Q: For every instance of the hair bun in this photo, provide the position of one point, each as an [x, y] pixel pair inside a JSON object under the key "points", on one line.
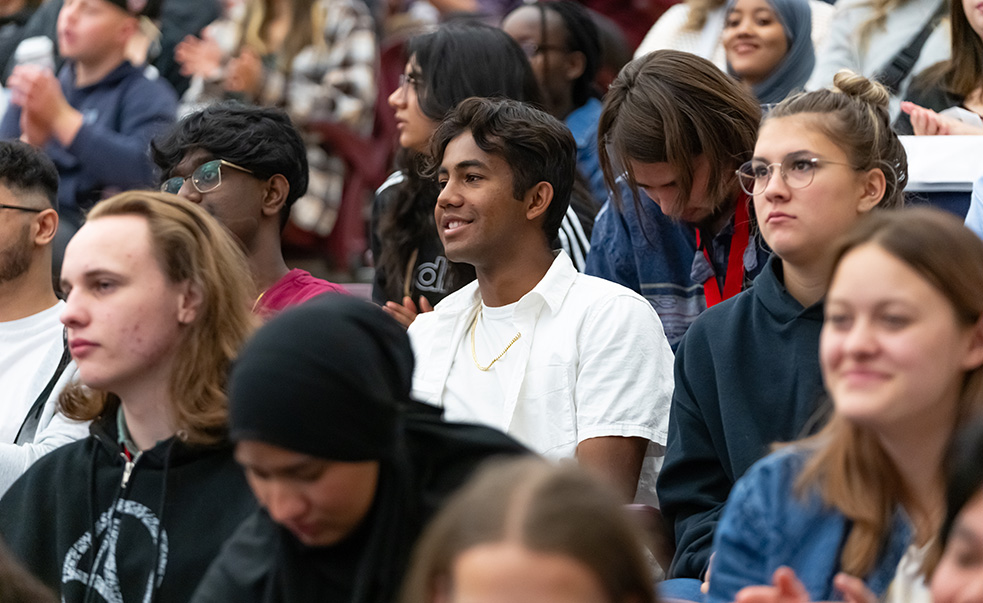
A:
{"points": [[858, 87]]}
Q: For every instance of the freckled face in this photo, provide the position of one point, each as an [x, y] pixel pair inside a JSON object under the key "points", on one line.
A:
{"points": [[124, 316]]}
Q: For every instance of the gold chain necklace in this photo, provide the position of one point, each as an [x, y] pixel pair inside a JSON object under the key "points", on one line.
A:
{"points": [[256, 303], [474, 327]]}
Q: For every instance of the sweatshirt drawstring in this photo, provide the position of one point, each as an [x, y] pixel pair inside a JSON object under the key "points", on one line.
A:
{"points": [[161, 509]]}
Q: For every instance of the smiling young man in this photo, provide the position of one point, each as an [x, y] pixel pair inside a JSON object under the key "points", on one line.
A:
{"points": [[246, 166], [96, 118], [570, 365]]}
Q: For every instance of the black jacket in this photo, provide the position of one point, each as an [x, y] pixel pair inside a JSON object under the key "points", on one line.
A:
{"points": [[49, 515]]}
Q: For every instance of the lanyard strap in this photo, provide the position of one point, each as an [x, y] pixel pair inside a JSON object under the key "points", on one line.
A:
{"points": [[734, 279]]}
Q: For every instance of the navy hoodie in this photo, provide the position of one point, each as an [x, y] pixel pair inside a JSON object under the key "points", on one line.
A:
{"points": [[747, 376], [111, 152]]}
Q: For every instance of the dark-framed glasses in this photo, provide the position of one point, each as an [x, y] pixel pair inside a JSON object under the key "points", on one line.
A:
{"points": [[33, 210], [409, 79], [797, 172], [531, 49], [206, 177]]}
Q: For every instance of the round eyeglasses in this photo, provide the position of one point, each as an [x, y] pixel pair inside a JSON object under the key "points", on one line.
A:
{"points": [[206, 177], [407, 80], [796, 171]]}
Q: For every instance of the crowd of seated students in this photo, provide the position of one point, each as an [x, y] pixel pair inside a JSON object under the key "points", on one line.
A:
{"points": [[693, 295]]}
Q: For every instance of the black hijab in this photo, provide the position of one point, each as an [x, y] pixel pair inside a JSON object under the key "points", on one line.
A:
{"points": [[331, 378]]}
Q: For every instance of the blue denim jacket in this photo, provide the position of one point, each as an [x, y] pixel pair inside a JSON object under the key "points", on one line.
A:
{"points": [[766, 525]]}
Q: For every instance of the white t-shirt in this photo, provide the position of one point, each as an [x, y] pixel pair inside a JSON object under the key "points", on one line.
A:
{"points": [[30, 350], [909, 585], [473, 395]]}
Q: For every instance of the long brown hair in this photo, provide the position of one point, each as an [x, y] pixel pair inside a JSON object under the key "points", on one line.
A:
{"points": [[849, 468], [962, 73], [672, 106], [545, 508], [192, 246], [306, 28]]}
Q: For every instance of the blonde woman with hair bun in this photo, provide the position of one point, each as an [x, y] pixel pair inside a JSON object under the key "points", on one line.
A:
{"points": [[747, 371]]}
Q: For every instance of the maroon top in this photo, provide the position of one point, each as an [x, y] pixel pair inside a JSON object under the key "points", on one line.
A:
{"points": [[296, 287]]}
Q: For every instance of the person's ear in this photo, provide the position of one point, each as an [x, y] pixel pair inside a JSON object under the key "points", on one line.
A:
{"points": [[45, 227], [128, 28], [538, 199], [575, 63], [974, 352], [189, 302], [277, 189], [874, 187]]}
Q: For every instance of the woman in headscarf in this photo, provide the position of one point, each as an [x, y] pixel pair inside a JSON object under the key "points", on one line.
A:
{"points": [[768, 45], [346, 466]]}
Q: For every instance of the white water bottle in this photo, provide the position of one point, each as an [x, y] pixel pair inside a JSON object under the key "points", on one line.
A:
{"points": [[39, 50]]}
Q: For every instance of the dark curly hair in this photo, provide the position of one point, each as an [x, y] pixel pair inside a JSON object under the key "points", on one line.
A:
{"points": [[457, 61], [260, 139]]}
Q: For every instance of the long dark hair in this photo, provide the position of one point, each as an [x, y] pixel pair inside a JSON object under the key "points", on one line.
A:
{"points": [[962, 73], [456, 61]]}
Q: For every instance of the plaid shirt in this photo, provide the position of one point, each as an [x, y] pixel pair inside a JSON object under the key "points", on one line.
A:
{"points": [[336, 80]]}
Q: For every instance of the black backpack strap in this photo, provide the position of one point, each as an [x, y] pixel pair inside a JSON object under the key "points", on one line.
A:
{"points": [[29, 427], [895, 72]]}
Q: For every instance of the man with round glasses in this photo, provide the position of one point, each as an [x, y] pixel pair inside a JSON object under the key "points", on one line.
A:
{"points": [[246, 166]]}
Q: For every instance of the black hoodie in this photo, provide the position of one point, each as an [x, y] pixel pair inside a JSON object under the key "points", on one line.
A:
{"points": [[49, 515]]}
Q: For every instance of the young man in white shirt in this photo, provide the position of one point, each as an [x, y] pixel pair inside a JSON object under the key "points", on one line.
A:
{"points": [[570, 365], [34, 361]]}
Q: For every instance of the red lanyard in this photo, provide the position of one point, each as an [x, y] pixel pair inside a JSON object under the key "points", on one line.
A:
{"points": [[734, 279]]}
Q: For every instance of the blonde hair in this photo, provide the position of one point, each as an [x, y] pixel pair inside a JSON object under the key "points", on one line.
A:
{"points": [[849, 467], [306, 29], [854, 116], [545, 508], [189, 245], [699, 10], [879, 9]]}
